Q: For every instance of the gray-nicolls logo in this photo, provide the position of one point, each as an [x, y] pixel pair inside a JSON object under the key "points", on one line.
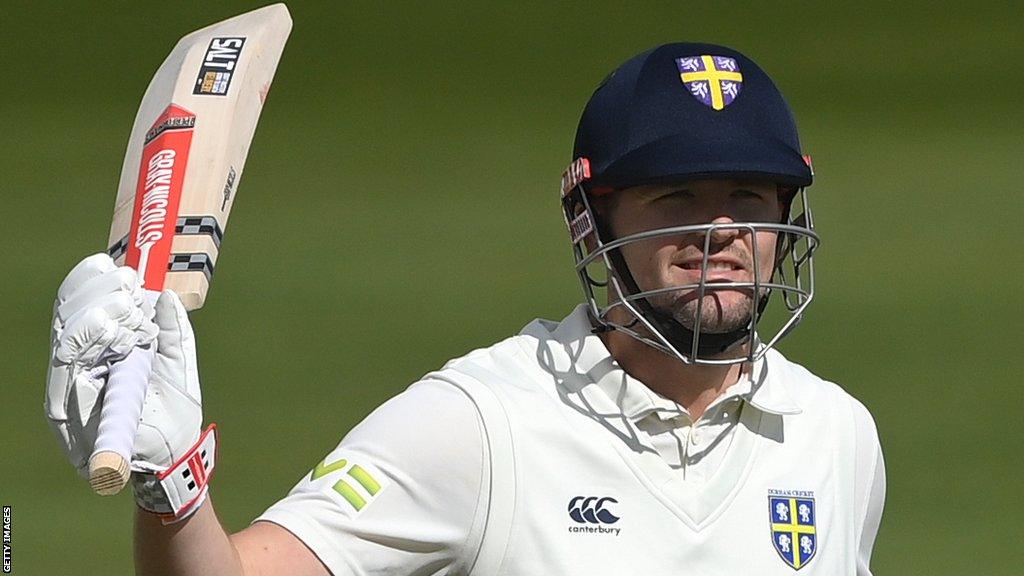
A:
{"points": [[229, 186]]}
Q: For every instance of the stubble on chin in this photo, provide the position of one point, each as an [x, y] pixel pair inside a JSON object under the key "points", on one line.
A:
{"points": [[723, 310]]}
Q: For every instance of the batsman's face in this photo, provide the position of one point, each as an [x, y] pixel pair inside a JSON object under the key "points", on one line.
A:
{"points": [[669, 261]]}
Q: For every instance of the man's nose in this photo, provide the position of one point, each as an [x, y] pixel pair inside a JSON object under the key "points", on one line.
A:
{"points": [[724, 235]]}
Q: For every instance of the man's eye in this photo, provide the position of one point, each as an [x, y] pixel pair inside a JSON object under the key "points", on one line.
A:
{"points": [[748, 195], [676, 195]]}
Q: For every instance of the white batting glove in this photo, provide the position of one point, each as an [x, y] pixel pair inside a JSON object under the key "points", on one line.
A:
{"points": [[100, 314], [173, 461]]}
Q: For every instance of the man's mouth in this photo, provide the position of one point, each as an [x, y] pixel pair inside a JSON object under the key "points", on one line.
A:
{"points": [[713, 266], [715, 263], [720, 268]]}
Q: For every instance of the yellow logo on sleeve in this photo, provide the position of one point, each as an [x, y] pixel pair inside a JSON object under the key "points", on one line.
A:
{"points": [[368, 485]]}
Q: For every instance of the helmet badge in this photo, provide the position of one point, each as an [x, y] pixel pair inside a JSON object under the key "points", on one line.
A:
{"points": [[714, 81]]}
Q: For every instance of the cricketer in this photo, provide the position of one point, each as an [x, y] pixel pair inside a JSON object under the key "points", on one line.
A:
{"points": [[655, 429]]}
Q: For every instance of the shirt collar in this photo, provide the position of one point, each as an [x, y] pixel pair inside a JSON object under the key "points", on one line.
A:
{"points": [[585, 366], [767, 389]]}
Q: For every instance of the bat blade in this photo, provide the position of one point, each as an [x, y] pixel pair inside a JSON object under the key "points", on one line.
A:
{"points": [[188, 148], [179, 179]]}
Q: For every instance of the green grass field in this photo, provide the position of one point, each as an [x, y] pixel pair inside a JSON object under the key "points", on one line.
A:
{"points": [[399, 208]]}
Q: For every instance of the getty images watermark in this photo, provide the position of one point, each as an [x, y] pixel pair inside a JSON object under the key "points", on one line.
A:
{"points": [[7, 539]]}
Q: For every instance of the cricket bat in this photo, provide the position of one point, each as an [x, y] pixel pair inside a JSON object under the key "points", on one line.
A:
{"points": [[178, 182]]}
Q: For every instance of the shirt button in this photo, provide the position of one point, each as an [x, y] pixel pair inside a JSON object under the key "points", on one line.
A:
{"points": [[694, 436]]}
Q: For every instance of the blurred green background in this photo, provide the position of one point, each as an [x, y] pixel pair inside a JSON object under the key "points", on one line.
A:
{"points": [[399, 208]]}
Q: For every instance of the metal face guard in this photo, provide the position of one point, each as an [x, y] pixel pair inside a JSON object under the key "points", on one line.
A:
{"points": [[793, 277]]}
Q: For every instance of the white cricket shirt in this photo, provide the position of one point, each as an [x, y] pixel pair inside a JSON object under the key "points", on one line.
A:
{"points": [[539, 455]]}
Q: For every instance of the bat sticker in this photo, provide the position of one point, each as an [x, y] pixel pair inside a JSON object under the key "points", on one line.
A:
{"points": [[219, 66]]}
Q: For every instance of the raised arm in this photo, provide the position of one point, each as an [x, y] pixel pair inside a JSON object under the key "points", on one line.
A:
{"points": [[404, 491], [101, 313]]}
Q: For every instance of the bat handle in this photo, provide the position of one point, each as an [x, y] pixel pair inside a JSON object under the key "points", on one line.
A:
{"points": [[123, 396]]}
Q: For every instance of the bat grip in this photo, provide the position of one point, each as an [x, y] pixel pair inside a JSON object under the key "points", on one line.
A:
{"points": [[123, 397]]}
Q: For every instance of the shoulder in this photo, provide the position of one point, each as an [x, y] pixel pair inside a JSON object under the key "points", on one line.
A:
{"points": [[404, 490], [831, 415], [513, 361], [431, 421], [823, 399], [461, 399]]}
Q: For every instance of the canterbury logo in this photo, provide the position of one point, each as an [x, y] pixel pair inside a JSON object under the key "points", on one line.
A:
{"points": [[592, 510]]}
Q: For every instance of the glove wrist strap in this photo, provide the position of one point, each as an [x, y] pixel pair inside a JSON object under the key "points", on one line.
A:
{"points": [[177, 492]]}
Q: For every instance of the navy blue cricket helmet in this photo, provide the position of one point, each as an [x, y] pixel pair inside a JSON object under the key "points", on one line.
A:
{"points": [[680, 112]]}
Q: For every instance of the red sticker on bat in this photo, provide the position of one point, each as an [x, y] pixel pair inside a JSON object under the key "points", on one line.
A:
{"points": [[161, 175]]}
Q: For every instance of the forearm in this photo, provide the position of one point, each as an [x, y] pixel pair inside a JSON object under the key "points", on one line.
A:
{"points": [[198, 545]]}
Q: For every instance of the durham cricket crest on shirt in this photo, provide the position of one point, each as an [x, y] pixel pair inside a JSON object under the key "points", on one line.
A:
{"points": [[714, 81], [792, 517]]}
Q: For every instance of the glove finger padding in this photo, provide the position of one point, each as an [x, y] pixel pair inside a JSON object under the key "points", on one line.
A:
{"points": [[77, 358], [92, 337], [98, 282], [122, 280], [87, 269], [89, 343]]}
